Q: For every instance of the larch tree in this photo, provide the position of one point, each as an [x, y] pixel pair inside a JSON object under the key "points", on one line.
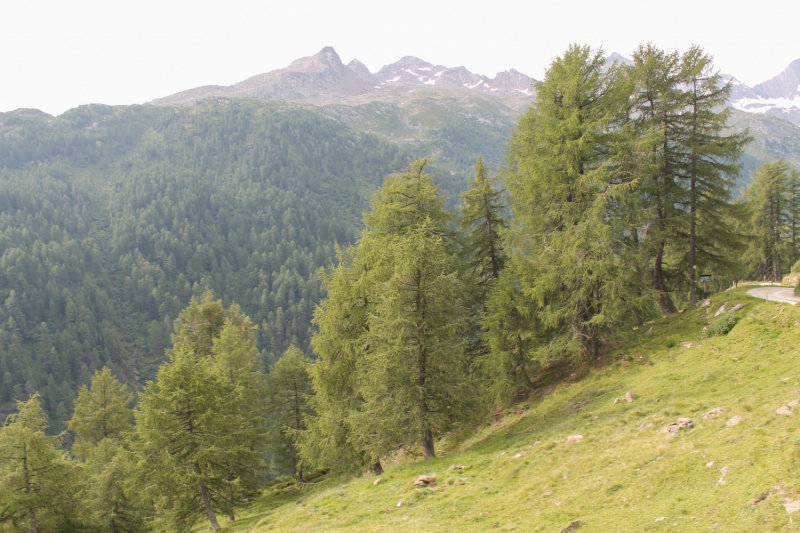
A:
{"points": [[768, 197], [567, 187], [102, 422], [656, 111], [710, 167], [288, 391], [413, 375], [38, 481], [199, 426]]}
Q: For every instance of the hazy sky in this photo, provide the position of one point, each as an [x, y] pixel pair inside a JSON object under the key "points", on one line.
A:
{"points": [[55, 55]]}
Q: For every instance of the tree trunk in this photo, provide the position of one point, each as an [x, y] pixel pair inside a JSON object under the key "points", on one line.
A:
{"points": [[693, 245], [428, 450], [667, 307], [377, 468], [212, 518], [32, 514]]}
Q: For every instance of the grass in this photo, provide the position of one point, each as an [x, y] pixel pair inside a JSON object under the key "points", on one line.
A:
{"points": [[626, 472]]}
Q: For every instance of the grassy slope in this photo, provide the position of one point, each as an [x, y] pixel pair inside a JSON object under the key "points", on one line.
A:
{"points": [[619, 478]]}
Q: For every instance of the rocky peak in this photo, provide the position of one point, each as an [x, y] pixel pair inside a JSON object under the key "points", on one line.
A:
{"points": [[784, 85]]}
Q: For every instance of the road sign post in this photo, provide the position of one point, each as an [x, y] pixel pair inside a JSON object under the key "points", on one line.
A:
{"points": [[705, 278]]}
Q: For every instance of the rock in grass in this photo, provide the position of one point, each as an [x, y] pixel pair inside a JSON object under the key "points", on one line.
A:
{"points": [[791, 506], [783, 410], [424, 481], [458, 467], [627, 398], [376, 481], [706, 303], [662, 518], [682, 423], [517, 456], [737, 308], [714, 412], [719, 311], [575, 438], [734, 421], [572, 526]]}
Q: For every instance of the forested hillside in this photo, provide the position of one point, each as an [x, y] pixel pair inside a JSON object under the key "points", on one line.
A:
{"points": [[111, 219]]}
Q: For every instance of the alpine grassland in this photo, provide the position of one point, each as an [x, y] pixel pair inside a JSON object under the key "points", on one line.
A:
{"points": [[733, 470]]}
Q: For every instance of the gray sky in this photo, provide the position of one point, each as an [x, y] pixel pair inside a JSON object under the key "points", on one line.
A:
{"points": [[55, 55]]}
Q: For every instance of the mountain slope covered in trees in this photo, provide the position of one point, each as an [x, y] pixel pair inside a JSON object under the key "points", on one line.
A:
{"points": [[111, 219]]}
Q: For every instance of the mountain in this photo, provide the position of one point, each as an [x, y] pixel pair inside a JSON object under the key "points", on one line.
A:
{"points": [[779, 96], [323, 78]]}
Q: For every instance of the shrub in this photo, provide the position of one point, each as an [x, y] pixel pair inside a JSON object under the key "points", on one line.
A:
{"points": [[723, 325]]}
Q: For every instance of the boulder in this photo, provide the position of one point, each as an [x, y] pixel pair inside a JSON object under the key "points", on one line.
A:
{"points": [[784, 410], [376, 481], [737, 308], [706, 303], [424, 481], [517, 456], [719, 311]]}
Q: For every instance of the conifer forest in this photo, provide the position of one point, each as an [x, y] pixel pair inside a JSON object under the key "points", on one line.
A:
{"points": [[199, 301]]}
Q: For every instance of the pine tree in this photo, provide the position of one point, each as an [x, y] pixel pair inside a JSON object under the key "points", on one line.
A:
{"points": [[710, 166], [794, 214], [38, 481], [199, 425], [568, 187], [288, 389]]}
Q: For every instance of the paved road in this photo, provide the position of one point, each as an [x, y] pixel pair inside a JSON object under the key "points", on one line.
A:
{"points": [[775, 294]]}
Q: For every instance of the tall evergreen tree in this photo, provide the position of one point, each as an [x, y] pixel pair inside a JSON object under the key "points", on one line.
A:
{"points": [[288, 390], [656, 111], [102, 422], [199, 427], [566, 187], [481, 219], [711, 164], [38, 481], [768, 197], [102, 411], [395, 318]]}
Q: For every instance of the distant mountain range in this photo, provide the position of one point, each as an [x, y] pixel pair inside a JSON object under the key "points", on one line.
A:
{"points": [[323, 78], [779, 96]]}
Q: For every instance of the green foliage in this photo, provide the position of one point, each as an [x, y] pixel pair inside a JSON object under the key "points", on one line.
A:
{"points": [[37, 478], [390, 329], [770, 198], [288, 391], [199, 426], [723, 325], [569, 188], [102, 411]]}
